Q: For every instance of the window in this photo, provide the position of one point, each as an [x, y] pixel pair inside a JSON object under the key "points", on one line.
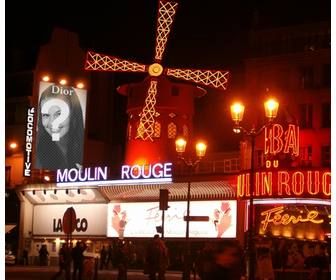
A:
{"points": [[307, 77], [157, 130], [185, 131], [172, 130], [325, 156], [306, 157], [306, 115], [326, 115], [231, 165], [7, 174]]}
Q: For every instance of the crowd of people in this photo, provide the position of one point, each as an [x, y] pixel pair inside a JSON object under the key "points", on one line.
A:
{"points": [[68, 255], [222, 259]]}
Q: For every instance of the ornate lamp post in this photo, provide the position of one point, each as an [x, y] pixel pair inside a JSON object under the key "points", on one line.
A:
{"points": [[237, 113], [180, 144]]}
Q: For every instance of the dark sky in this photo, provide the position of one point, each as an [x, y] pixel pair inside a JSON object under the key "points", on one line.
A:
{"points": [[208, 34], [205, 33]]}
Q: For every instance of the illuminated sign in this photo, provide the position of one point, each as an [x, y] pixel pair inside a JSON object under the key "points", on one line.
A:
{"points": [[277, 217], [157, 170], [96, 176], [300, 221], [47, 219], [140, 219], [82, 175], [277, 140], [60, 127], [29, 143], [286, 183]]}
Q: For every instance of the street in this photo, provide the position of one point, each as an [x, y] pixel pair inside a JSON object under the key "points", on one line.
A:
{"points": [[37, 272]]}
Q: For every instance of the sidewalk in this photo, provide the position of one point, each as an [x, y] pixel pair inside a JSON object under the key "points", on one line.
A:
{"points": [[46, 272]]}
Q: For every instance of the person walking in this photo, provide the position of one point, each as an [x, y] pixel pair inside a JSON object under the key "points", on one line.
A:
{"points": [[122, 258], [109, 257], [156, 261], [25, 256], [103, 255], [78, 260], [43, 255], [225, 261], [64, 262]]}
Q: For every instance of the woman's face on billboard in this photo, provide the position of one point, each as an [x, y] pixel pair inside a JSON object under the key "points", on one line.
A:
{"points": [[53, 119]]}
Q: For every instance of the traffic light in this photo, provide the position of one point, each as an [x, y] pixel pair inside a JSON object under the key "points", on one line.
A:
{"points": [[164, 199]]}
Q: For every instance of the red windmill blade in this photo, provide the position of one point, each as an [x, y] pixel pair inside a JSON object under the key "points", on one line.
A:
{"points": [[166, 13], [212, 78], [165, 18], [99, 62]]}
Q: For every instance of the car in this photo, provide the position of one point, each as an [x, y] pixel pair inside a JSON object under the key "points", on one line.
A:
{"points": [[9, 258]]}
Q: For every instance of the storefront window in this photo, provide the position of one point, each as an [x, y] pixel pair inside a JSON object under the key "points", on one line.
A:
{"points": [[325, 156]]}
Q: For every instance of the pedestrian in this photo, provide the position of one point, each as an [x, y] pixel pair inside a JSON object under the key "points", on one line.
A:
{"points": [[122, 259], [43, 255], [103, 255], [25, 256], [156, 261], [78, 260], [64, 262], [110, 257], [225, 261]]}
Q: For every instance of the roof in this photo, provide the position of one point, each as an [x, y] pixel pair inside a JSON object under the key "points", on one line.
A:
{"points": [[207, 190]]}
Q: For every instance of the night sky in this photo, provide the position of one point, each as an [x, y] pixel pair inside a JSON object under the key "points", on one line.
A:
{"points": [[208, 34]]}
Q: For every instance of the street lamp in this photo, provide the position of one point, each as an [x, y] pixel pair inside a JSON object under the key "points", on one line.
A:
{"points": [[200, 147], [237, 112]]}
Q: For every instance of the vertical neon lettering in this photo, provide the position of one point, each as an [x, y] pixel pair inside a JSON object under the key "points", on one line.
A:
{"points": [[313, 186], [257, 184], [291, 142], [283, 179], [298, 183], [266, 183], [240, 186], [276, 141], [326, 183]]}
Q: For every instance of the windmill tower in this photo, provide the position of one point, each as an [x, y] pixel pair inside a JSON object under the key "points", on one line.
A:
{"points": [[158, 109]]}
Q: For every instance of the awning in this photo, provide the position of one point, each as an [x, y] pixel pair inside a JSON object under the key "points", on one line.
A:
{"points": [[8, 228], [210, 190]]}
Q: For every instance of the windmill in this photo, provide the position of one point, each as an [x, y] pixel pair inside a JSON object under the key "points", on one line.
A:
{"points": [[156, 93]]}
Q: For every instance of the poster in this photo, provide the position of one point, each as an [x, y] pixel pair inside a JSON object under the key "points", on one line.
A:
{"points": [[140, 219], [48, 219], [60, 127]]}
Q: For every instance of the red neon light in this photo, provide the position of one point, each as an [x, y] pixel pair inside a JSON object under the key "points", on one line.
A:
{"points": [[275, 216], [277, 140], [286, 184]]}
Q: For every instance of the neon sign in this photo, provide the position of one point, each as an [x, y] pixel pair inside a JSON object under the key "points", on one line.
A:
{"points": [[276, 217], [157, 170], [97, 176], [277, 140], [29, 142], [81, 175], [286, 183]]}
